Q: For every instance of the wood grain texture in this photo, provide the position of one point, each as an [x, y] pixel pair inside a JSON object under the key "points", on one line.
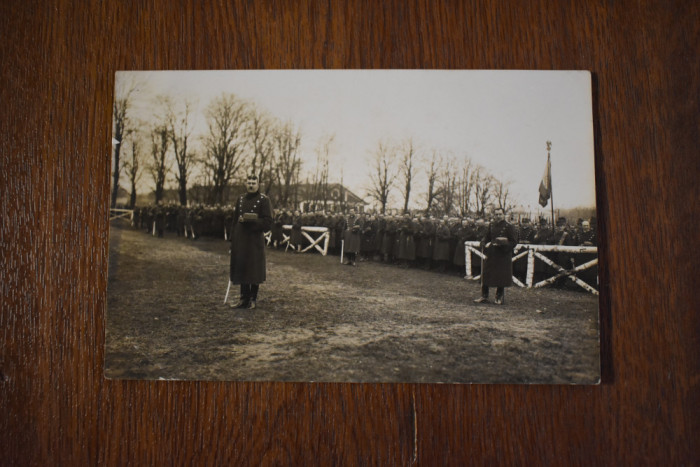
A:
{"points": [[58, 61]]}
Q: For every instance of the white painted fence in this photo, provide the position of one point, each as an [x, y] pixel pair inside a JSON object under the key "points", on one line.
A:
{"points": [[533, 253], [121, 214], [315, 236]]}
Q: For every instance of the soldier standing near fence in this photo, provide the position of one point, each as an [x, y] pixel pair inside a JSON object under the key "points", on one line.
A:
{"points": [[407, 242], [277, 235], [252, 217], [497, 244], [296, 237], [441, 246], [352, 237]]}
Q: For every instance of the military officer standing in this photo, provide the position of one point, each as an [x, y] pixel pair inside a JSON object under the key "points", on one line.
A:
{"points": [[252, 217], [497, 244], [352, 237]]}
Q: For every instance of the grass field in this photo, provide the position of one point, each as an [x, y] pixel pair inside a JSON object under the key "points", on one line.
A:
{"points": [[318, 320]]}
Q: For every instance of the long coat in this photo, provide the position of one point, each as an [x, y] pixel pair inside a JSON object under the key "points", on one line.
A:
{"points": [[388, 238], [368, 234], [424, 245], [248, 240], [351, 235], [277, 232], [498, 266], [407, 243], [441, 248], [296, 237], [465, 233]]}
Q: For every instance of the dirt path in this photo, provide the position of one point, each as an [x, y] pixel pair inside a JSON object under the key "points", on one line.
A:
{"points": [[318, 320]]}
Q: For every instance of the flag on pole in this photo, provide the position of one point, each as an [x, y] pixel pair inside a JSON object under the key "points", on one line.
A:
{"points": [[546, 184]]}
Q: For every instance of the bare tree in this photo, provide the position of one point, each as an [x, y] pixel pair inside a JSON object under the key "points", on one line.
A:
{"points": [[287, 141], [226, 118], [382, 175], [406, 169], [465, 186], [120, 122], [447, 183], [177, 122], [483, 183], [319, 187], [260, 133], [501, 193], [432, 174], [159, 163], [132, 165]]}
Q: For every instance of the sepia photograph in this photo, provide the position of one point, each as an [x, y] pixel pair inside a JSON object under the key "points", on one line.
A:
{"points": [[369, 226]]}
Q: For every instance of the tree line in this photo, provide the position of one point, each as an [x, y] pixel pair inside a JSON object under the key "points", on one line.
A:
{"points": [[240, 138], [451, 185]]}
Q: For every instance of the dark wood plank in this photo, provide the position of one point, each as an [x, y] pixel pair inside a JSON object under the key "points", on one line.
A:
{"points": [[57, 77]]}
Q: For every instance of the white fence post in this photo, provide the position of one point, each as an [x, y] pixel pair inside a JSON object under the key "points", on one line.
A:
{"points": [[530, 267], [467, 261]]}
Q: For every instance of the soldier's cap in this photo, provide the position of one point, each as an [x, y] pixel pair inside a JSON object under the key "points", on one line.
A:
{"points": [[561, 221], [252, 177]]}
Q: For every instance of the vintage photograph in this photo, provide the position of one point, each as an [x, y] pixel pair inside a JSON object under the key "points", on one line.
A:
{"points": [[370, 226]]}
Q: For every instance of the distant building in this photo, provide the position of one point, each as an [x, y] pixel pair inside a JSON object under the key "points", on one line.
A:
{"points": [[335, 198], [306, 197]]}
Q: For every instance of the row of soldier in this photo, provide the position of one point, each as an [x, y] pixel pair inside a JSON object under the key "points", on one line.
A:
{"points": [[214, 221], [423, 241], [407, 240]]}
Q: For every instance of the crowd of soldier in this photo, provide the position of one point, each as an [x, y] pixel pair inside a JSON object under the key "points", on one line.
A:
{"points": [[407, 240]]}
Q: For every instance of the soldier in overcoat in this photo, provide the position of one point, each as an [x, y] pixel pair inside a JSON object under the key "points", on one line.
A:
{"points": [[352, 236], [252, 217], [368, 234], [379, 237], [426, 238], [276, 234], [159, 219], [388, 239], [497, 244], [465, 232], [407, 242], [296, 238], [441, 247]]}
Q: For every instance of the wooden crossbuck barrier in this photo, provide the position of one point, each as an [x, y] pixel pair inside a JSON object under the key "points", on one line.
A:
{"points": [[533, 253], [121, 214], [320, 242]]}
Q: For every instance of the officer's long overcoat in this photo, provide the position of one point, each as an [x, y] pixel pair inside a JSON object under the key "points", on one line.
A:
{"points": [[351, 235], [498, 266], [248, 240], [407, 243], [441, 247]]}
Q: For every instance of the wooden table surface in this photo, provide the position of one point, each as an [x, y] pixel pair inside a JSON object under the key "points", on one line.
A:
{"points": [[58, 61]]}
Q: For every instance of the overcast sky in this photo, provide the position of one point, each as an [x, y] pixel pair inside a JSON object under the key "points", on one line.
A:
{"points": [[500, 119]]}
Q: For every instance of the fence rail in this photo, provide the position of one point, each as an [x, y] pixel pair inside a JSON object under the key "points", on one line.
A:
{"points": [[321, 234], [121, 214], [533, 253]]}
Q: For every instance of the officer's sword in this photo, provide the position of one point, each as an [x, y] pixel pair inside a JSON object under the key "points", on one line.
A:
{"points": [[227, 291], [342, 248]]}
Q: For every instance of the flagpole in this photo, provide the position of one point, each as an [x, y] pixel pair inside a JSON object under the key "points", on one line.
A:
{"points": [[551, 188]]}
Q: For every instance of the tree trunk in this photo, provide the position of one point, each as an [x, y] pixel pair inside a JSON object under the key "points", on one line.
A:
{"points": [[115, 175], [183, 192], [132, 196]]}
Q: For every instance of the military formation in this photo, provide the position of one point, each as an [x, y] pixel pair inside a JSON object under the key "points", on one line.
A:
{"points": [[408, 241]]}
